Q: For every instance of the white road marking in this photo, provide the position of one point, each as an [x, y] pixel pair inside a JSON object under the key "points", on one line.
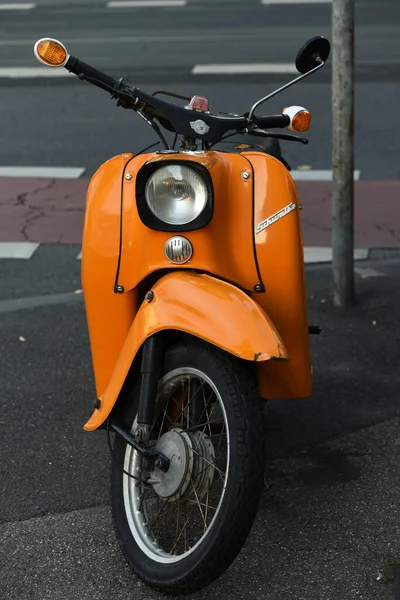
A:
{"points": [[144, 3], [323, 254], [296, 1], [7, 306], [17, 249], [216, 36], [79, 257], [48, 172], [32, 72], [366, 273], [244, 69], [317, 175], [18, 6]]}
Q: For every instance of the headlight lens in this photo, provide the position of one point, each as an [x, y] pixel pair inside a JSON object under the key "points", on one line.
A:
{"points": [[176, 194]]}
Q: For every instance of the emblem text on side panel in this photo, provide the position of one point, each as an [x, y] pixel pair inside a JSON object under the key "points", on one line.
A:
{"points": [[275, 217]]}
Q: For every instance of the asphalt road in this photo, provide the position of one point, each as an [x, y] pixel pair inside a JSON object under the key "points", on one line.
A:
{"points": [[328, 519], [64, 122]]}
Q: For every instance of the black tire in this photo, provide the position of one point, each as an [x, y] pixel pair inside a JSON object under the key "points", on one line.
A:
{"points": [[244, 416]]}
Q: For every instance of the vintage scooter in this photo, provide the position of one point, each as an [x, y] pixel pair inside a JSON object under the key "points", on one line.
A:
{"points": [[193, 279]]}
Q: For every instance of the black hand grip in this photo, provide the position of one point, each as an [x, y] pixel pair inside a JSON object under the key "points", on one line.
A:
{"points": [[272, 121], [76, 66]]}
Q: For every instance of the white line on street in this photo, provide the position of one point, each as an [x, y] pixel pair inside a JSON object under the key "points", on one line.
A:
{"points": [[48, 172], [367, 273], [79, 257], [215, 36], [323, 254], [17, 249], [296, 1], [31, 72], [317, 175], [144, 3], [240, 69], [20, 6], [7, 306]]}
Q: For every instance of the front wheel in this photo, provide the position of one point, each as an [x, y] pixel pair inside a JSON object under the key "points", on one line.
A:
{"points": [[181, 529]]}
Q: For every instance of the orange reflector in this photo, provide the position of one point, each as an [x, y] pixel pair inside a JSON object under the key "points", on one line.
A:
{"points": [[301, 120], [52, 52]]}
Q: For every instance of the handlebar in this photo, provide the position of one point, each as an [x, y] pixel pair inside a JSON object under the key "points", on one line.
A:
{"points": [[102, 80], [76, 66], [272, 121], [173, 117]]}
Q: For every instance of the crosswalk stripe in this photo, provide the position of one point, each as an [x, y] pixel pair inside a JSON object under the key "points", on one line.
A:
{"points": [[144, 3], [296, 2], [365, 273], [317, 175], [323, 254], [32, 72], [17, 6], [244, 69], [47, 172], [23, 250]]}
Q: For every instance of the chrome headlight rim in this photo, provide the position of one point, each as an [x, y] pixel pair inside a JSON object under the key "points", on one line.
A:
{"points": [[150, 219]]}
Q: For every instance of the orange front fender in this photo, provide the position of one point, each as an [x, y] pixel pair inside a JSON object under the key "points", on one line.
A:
{"points": [[204, 307]]}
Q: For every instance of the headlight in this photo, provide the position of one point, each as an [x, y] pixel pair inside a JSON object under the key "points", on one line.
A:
{"points": [[176, 194]]}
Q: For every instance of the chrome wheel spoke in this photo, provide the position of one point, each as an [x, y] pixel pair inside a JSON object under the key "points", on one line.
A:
{"points": [[183, 530], [206, 506], [198, 504], [206, 424], [212, 464], [177, 518], [156, 520]]}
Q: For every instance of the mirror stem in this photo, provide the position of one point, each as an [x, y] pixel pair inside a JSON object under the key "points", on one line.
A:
{"points": [[284, 87]]}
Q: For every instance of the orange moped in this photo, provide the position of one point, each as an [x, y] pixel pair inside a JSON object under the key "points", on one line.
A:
{"points": [[194, 288]]}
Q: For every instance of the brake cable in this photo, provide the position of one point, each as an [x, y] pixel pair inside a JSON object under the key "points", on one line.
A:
{"points": [[229, 135]]}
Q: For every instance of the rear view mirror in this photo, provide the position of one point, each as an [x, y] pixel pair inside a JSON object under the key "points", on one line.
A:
{"points": [[313, 53]]}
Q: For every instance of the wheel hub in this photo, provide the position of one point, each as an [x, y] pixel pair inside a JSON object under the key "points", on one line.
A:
{"points": [[191, 465]]}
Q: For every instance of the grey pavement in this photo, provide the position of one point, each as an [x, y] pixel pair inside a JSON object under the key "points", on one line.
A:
{"points": [[329, 517], [327, 528]]}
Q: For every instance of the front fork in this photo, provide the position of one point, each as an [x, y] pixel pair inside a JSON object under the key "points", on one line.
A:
{"points": [[151, 366], [152, 356]]}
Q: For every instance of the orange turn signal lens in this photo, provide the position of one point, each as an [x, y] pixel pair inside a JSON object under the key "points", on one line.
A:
{"points": [[51, 52], [301, 120]]}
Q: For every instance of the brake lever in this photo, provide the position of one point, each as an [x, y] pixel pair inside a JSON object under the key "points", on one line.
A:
{"points": [[116, 94], [280, 136]]}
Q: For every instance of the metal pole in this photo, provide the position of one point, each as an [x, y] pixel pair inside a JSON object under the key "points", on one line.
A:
{"points": [[343, 151]]}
